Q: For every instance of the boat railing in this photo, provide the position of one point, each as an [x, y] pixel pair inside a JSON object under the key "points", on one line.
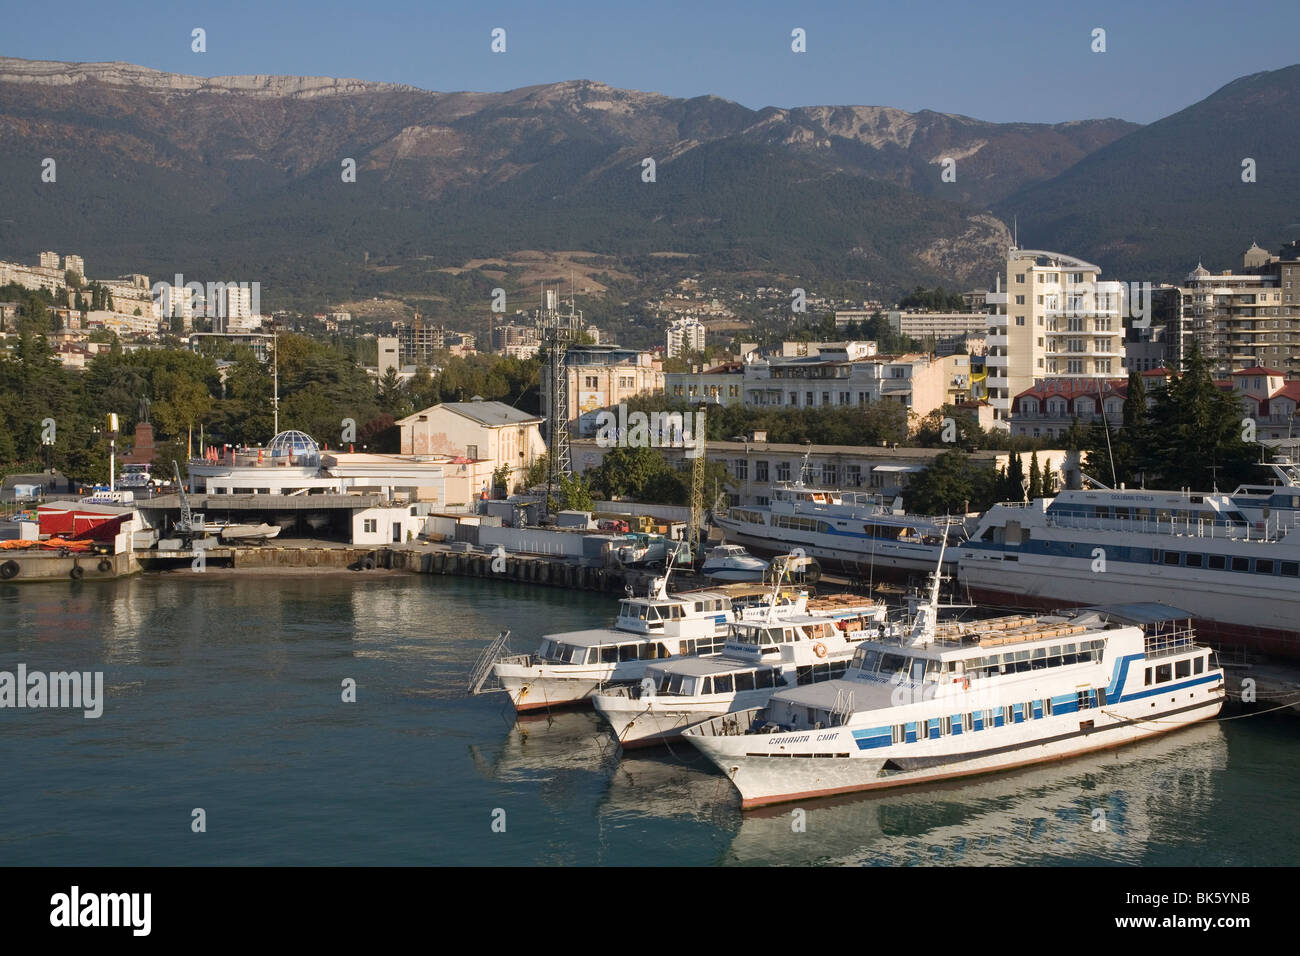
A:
{"points": [[1164, 643], [735, 724], [1271, 530]]}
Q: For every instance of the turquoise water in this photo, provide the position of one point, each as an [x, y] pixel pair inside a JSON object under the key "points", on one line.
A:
{"points": [[224, 692]]}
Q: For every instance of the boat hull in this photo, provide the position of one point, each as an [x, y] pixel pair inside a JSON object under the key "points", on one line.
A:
{"points": [[540, 687], [887, 561], [763, 780]]}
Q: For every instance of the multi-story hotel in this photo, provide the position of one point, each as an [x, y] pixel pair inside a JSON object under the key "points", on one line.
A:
{"points": [[1053, 319]]}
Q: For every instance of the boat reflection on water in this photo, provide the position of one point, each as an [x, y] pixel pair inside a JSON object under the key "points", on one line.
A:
{"points": [[564, 754], [1109, 807]]}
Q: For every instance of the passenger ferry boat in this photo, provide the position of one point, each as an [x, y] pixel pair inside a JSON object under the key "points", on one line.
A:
{"points": [[759, 658], [1231, 561], [853, 532], [961, 698], [568, 668]]}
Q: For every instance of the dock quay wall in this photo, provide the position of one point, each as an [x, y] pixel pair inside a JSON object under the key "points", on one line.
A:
{"points": [[530, 569]]}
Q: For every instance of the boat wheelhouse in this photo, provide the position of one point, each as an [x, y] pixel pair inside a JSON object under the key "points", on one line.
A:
{"points": [[758, 658], [960, 698]]}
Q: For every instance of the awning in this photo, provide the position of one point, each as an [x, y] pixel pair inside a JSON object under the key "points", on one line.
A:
{"points": [[1143, 613], [897, 469]]}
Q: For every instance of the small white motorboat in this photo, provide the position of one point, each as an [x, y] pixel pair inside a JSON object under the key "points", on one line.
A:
{"points": [[731, 562], [252, 533]]}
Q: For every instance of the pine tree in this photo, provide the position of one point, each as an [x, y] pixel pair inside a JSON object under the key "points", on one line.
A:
{"points": [[1035, 478]]}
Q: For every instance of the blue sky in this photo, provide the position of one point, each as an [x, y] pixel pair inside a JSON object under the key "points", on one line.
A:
{"points": [[996, 61]]}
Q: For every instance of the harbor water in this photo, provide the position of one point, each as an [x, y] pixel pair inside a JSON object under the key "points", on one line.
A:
{"points": [[228, 737]]}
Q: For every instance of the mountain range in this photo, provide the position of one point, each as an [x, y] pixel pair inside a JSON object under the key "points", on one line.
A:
{"points": [[242, 178]]}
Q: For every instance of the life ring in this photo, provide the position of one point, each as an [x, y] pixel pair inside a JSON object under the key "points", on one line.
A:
{"points": [[77, 572], [105, 566], [819, 649], [9, 569]]}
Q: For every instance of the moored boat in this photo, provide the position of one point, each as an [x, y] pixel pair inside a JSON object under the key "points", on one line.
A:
{"points": [[942, 701], [759, 658]]}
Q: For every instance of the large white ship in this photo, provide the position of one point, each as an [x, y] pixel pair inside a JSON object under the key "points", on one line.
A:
{"points": [[1231, 561], [961, 698]]}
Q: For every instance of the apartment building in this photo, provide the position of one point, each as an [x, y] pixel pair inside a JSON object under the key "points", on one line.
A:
{"points": [[720, 385], [841, 377], [685, 335], [1243, 319], [600, 377], [1053, 319]]}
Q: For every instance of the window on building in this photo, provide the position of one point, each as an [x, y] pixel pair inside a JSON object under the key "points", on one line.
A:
{"points": [[760, 470], [742, 469]]}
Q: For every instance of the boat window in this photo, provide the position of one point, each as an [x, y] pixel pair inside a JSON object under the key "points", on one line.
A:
{"points": [[689, 686], [647, 651], [609, 655], [1171, 557], [1194, 560], [663, 651], [968, 722], [744, 681], [593, 655], [1147, 682], [546, 649], [722, 684], [1038, 659], [1183, 668], [932, 669], [1217, 562], [1291, 569], [1164, 672], [871, 662], [1241, 564], [629, 652], [652, 614], [1263, 567], [675, 684], [1200, 665], [766, 678], [790, 635], [893, 664], [706, 686], [665, 684]]}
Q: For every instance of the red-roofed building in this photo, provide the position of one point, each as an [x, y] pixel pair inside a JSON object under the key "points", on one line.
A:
{"points": [[1051, 406]]}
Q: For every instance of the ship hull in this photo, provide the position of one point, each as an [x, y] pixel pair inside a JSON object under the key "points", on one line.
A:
{"points": [[887, 561], [766, 780], [1268, 623]]}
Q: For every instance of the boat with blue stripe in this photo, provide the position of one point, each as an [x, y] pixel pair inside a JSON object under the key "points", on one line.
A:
{"points": [[946, 700]]}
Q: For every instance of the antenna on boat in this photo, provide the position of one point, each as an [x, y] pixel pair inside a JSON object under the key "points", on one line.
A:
{"points": [[923, 625]]}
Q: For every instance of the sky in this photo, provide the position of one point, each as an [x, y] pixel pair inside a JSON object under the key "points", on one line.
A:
{"points": [[996, 61]]}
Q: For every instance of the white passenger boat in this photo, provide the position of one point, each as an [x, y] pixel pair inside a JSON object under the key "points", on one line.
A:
{"points": [[759, 658], [731, 562], [963, 698], [568, 668]]}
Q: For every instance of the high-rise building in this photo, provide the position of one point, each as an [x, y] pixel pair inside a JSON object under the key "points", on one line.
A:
{"points": [[685, 335], [1052, 318], [49, 260], [74, 264]]}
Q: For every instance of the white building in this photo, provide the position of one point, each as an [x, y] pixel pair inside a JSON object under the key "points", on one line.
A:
{"points": [[685, 335], [1053, 319]]}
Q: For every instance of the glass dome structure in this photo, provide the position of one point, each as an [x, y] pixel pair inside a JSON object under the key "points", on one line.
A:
{"points": [[300, 448]]}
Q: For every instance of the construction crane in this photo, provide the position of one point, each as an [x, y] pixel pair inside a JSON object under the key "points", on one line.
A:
{"points": [[190, 525]]}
